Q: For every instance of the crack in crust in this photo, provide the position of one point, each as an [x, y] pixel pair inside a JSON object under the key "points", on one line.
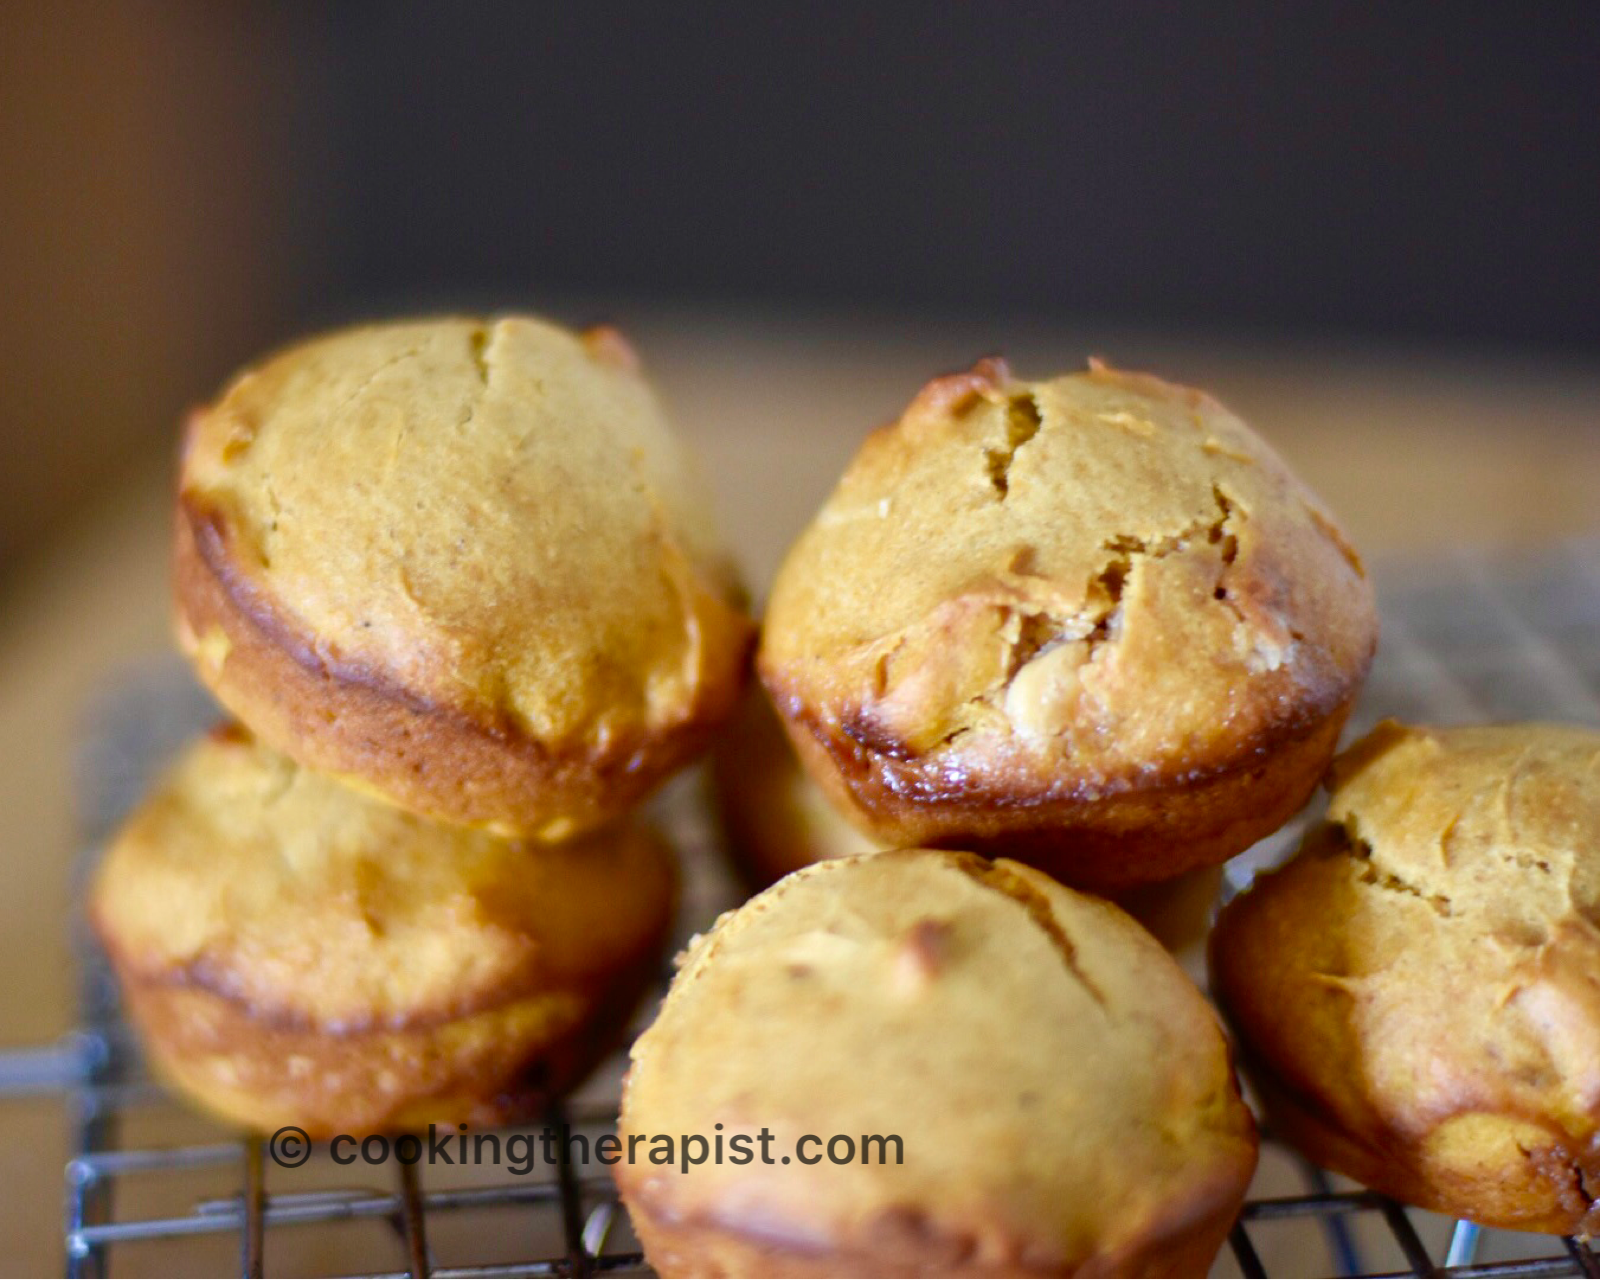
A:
{"points": [[1011, 884], [1023, 420], [1037, 630], [1112, 580], [1343, 840], [362, 387], [478, 343]]}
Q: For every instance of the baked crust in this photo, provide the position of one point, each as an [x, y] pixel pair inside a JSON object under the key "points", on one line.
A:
{"points": [[1108, 841], [1093, 623], [903, 1245], [426, 757], [295, 952], [1417, 989], [462, 563], [500, 1065], [1064, 1094], [776, 819]]}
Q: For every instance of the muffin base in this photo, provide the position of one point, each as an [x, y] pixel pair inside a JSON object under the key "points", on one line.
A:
{"points": [[1184, 1245], [1507, 1172], [1107, 841], [501, 1065], [437, 760]]}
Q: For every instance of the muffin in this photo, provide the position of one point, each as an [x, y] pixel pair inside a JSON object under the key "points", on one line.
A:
{"points": [[1053, 1097], [1418, 990], [1092, 623], [463, 564], [775, 820], [292, 952]]}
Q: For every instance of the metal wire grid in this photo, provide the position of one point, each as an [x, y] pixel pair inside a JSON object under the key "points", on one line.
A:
{"points": [[1466, 638]]}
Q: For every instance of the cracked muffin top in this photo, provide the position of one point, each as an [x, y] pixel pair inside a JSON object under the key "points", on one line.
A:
{"points": [[1419, 989], [1103, 569], [307, 903], [1063, 1093], [1093, 623], [481, 533]]}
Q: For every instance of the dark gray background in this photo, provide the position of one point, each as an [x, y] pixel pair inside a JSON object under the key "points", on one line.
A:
{"points": [[1408, 169], [185, 184]]}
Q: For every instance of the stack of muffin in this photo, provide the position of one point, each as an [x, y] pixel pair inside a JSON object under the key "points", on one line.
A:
{"points": [[457, 584], [1048, 646], [1093, 627]]}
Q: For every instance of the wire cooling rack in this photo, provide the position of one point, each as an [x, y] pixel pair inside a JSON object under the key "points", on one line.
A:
{"points": [[153, 1189]]}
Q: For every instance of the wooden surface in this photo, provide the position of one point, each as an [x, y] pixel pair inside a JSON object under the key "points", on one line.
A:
{"points": [[1414, 452]]}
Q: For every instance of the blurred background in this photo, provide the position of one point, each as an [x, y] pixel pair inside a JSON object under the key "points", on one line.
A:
{"points": [[1374, 230], [182, 185]]}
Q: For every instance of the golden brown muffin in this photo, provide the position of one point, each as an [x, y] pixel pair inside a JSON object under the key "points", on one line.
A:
{"points": [[1061, 1092], [1419, 989], [462, 563], [776, 820], [295, 953], [1093, 623]]}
